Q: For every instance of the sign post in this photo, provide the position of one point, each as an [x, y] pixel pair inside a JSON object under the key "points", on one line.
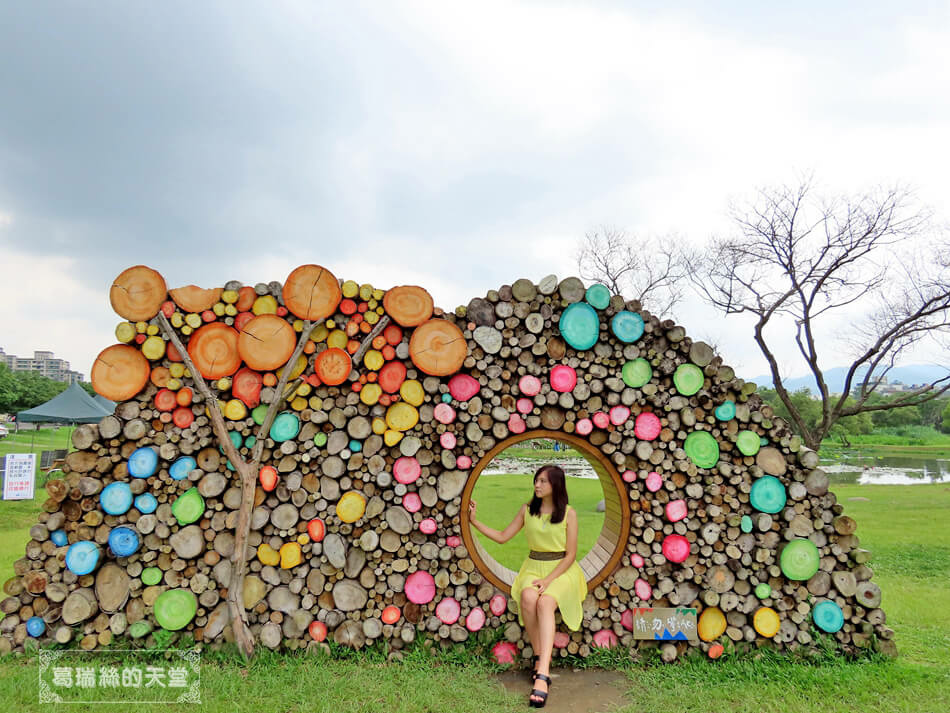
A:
{"points": [[19, 477]]}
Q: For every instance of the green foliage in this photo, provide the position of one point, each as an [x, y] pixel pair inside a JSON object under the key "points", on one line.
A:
{"points": [[914, 422], [8, 389], [904, 436], [931, 412], [22, 390], [807, 407]]}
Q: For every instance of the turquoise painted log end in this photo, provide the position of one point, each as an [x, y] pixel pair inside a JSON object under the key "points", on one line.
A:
{"points": [[580, 326], [116, 498], [143, 462], [82, 557], [768, 494], [123, 541], [598, 296], [627, 326], [182, 467]]}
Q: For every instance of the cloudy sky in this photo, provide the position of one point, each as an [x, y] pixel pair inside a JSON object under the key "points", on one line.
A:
{"points": [[458, 146]]}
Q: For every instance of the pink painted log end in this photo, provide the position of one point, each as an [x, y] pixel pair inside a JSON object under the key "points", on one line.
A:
{"points": [[654, 481], [448, 610], [498, 604], [675, 548], [563, 378], [420, 587], [475, 619], [647, 426], [529, 385], [626, 620], [516, 424], [619, 415], [676, 510], [444, 413], [406, 470], [504, 652], [463, 387], [428, 526]]}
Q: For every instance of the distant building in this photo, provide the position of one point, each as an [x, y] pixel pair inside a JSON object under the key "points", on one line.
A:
{"points": [[44, 363], [889, 388]]}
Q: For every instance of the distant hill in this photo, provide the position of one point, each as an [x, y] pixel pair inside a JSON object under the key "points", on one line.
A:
{"points": [[911, 374]]}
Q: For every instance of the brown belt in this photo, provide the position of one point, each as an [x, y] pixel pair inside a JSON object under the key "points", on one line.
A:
{"points": [[546, 556]]}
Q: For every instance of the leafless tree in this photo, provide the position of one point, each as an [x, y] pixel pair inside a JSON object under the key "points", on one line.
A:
{"points": [[652, 272], [806, 265]]}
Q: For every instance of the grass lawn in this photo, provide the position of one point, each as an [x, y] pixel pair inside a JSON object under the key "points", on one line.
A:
{"points": [[43, 439], [499, 498], [16, 516], [906, 441], [906, 527]]}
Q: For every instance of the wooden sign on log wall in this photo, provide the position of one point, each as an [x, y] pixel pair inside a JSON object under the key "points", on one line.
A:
{"points": [[665, 624]]}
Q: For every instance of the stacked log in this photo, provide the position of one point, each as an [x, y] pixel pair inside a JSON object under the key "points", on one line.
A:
{"points": [[357, 521]]}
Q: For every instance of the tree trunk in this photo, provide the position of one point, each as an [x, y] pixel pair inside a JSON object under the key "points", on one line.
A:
{"points": [[247, 472]]}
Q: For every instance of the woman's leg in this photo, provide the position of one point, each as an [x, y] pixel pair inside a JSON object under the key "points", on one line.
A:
{"points": [[546, 607], [529, 614]]}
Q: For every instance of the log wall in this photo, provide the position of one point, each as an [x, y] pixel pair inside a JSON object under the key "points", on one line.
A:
{"points": [[358, 531]]}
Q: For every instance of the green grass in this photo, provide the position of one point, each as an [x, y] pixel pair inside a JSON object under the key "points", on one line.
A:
{"points": [[499, 498], [921, 441], [303, 683], [16, 516], [43, 439], [548, 455], [906, 527]]}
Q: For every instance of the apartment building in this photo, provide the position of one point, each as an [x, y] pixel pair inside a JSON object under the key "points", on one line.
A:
{"points": [[45, 363]]}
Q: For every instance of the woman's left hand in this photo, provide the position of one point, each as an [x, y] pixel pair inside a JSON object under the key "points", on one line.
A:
{"points": [[540, 585]]}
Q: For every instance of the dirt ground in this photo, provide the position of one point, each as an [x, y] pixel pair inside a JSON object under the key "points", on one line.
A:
{"points": [[574, 690]]}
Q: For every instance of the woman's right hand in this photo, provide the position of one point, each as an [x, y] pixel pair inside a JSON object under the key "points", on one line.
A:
{"points": [[471, 509]]}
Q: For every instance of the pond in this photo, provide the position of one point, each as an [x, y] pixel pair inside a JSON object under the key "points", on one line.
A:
{"points": [[866, 469], [575, 467], [861, 469]]}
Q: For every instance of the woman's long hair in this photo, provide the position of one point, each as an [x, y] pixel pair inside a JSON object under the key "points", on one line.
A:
{"points": [[558, 493]]}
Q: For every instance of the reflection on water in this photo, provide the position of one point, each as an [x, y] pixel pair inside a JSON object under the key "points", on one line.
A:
{"points": [[857, 469], [886, 470], [576, 467]]}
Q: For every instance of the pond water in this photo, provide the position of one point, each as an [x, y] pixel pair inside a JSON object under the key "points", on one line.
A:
{"points": [[857, 469], [575, 467], [886, 470]]}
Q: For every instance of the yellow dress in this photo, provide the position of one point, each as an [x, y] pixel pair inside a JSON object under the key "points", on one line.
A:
{"points": [[570, 588]]}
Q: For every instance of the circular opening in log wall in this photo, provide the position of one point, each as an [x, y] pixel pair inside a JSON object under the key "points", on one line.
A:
{"points": [[603, 558], [505, 485]]}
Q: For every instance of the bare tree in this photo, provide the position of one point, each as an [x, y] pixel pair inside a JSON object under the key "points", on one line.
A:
{"points": [[806, 266], [652, 272]]}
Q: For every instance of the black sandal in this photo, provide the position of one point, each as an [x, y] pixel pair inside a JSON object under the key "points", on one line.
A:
{"points": [[543, 695]]}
